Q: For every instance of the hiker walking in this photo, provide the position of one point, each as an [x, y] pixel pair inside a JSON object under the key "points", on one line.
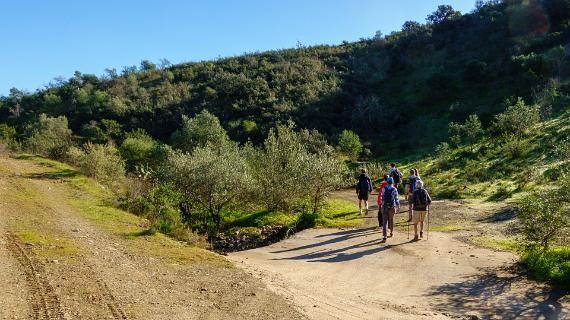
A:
{"points": [[421, 201], [409, 188], [380, 193], [363, 189], [390, 204], [395, 174]]}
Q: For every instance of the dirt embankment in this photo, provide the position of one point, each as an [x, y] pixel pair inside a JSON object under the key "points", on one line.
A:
{"points": [[57, 263]]}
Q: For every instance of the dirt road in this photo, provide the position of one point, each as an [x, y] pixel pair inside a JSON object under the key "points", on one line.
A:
{"points": [[349, 274], [66, 254]]}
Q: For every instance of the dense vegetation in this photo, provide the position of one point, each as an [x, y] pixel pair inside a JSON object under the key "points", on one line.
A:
{"points": [[477, 101]]}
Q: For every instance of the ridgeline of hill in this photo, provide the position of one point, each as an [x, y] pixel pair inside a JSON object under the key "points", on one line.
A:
{"points": [[398, 91]]}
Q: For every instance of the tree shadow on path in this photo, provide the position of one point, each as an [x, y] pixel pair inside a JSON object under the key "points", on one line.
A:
{"points": [[340, 236], [500, 293]]}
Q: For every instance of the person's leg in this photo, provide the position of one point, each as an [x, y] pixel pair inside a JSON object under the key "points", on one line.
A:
{"points": [[366, 205], [384, 222], [391, 213], [422, 218], [359, 204], [416, 231], [409, 210], [380, 218]]}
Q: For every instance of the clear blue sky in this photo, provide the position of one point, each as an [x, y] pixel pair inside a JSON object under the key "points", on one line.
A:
{"points": [[45, 39]]}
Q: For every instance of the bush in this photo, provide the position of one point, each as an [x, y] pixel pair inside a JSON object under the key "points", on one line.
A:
{"points": [[100, 161], [468, 133], [7, 133], [545, 215], [516, 148], [518, 120], [476, 171], [204, 129], [551, 265], [50, 137], [139, 150], [349, 143], [210, 181]]}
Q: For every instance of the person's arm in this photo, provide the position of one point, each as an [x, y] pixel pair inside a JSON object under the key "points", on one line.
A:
{"points": [[370, 187], [397, 200]]}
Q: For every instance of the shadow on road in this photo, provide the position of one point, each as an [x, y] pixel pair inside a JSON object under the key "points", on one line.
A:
{"points": [[341, 254], [499, 293]]}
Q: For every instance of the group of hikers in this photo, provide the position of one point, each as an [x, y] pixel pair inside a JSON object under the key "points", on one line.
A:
{"points": [[415, 193]]}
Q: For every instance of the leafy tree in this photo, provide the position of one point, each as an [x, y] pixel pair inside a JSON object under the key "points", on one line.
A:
{"points": [[469, 132], [349, 143], [545, 215], [7, 133], [518, 120], [200, 131], [137, 149], [210, 180], [49, 136], [442, 14], [100, 161]]}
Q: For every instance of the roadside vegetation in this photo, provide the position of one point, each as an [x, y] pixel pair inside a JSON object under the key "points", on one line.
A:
{"points": [[245, 150]]}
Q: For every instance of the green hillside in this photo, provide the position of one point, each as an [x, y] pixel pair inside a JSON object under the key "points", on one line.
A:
{"points": [[414, 81]]}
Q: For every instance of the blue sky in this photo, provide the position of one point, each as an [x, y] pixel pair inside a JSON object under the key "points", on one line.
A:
{"points": [[42, 40]]}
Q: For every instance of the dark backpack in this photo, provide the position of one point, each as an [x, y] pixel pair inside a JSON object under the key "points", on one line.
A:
{"points": [[364, 183], [421, 198], [396, 175], [388, 198]]}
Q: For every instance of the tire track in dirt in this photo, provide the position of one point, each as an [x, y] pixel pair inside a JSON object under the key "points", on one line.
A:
{"points": [[45, 303], [111, 301]]}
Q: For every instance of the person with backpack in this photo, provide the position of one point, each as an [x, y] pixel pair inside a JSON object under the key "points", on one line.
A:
{"points": [[395, 174], [390, 204], [380, 193], [363, 189], [409, 188], [421, 202]]}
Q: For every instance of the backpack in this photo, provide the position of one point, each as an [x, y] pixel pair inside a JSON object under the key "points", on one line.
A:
{"points": [[421, 198], [412, 184], [388, 197], [396, 175], [363, 183]]}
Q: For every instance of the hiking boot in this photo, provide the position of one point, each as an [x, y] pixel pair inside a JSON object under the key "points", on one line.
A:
{"points": [[384, 239], [359, 211], [416, 238], [409, 220], [366, 212], [421, 234], [391, 234]]}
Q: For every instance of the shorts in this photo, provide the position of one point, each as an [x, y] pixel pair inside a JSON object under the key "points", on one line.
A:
{"points": [[363, 195], [419, 216]]}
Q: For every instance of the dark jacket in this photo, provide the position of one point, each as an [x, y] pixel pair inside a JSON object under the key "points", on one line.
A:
{"points": [[421, 199], [364, 183]]}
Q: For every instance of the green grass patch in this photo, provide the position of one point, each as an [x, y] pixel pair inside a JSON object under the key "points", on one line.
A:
{"points": [[503, 244], [552, 265], [47, 246], [339, 213], [446, 228]]}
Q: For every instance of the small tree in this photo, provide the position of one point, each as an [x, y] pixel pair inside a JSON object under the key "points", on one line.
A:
{"points": [[517, 120], [100, 161], [469, 132], [204, 129], [49, 137], [545, 215], [211, 181], [349, 143]]}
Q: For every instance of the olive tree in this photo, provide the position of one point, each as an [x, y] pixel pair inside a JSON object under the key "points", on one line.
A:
{"points": [[204, 129], [545, 215], [211, 181], [49, 136]]}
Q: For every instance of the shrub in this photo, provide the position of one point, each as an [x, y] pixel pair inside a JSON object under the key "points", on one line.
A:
{"points": [[518, 120], [210, 181], [349, 143], [545, 215], [475, 170], [7, 133], [469, 132], [49, 137], [100, 161], [516, 148], [137, 149], [204, 129], [550, 265]]}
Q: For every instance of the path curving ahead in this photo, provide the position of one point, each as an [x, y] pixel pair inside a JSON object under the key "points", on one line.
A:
{"points": [[349, 274]]}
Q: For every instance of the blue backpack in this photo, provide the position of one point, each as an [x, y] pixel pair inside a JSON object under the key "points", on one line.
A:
{"points": [[389, 197]]}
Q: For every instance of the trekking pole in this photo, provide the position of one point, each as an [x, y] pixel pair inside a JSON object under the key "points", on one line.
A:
{"points": [[408, 223], [428, 214]]}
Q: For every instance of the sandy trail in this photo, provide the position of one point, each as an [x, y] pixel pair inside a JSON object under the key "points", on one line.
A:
{"points": [[349, 274]]}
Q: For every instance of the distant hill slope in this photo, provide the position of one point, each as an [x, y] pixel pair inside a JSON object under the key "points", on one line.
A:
{"points": [[419, 78]]}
